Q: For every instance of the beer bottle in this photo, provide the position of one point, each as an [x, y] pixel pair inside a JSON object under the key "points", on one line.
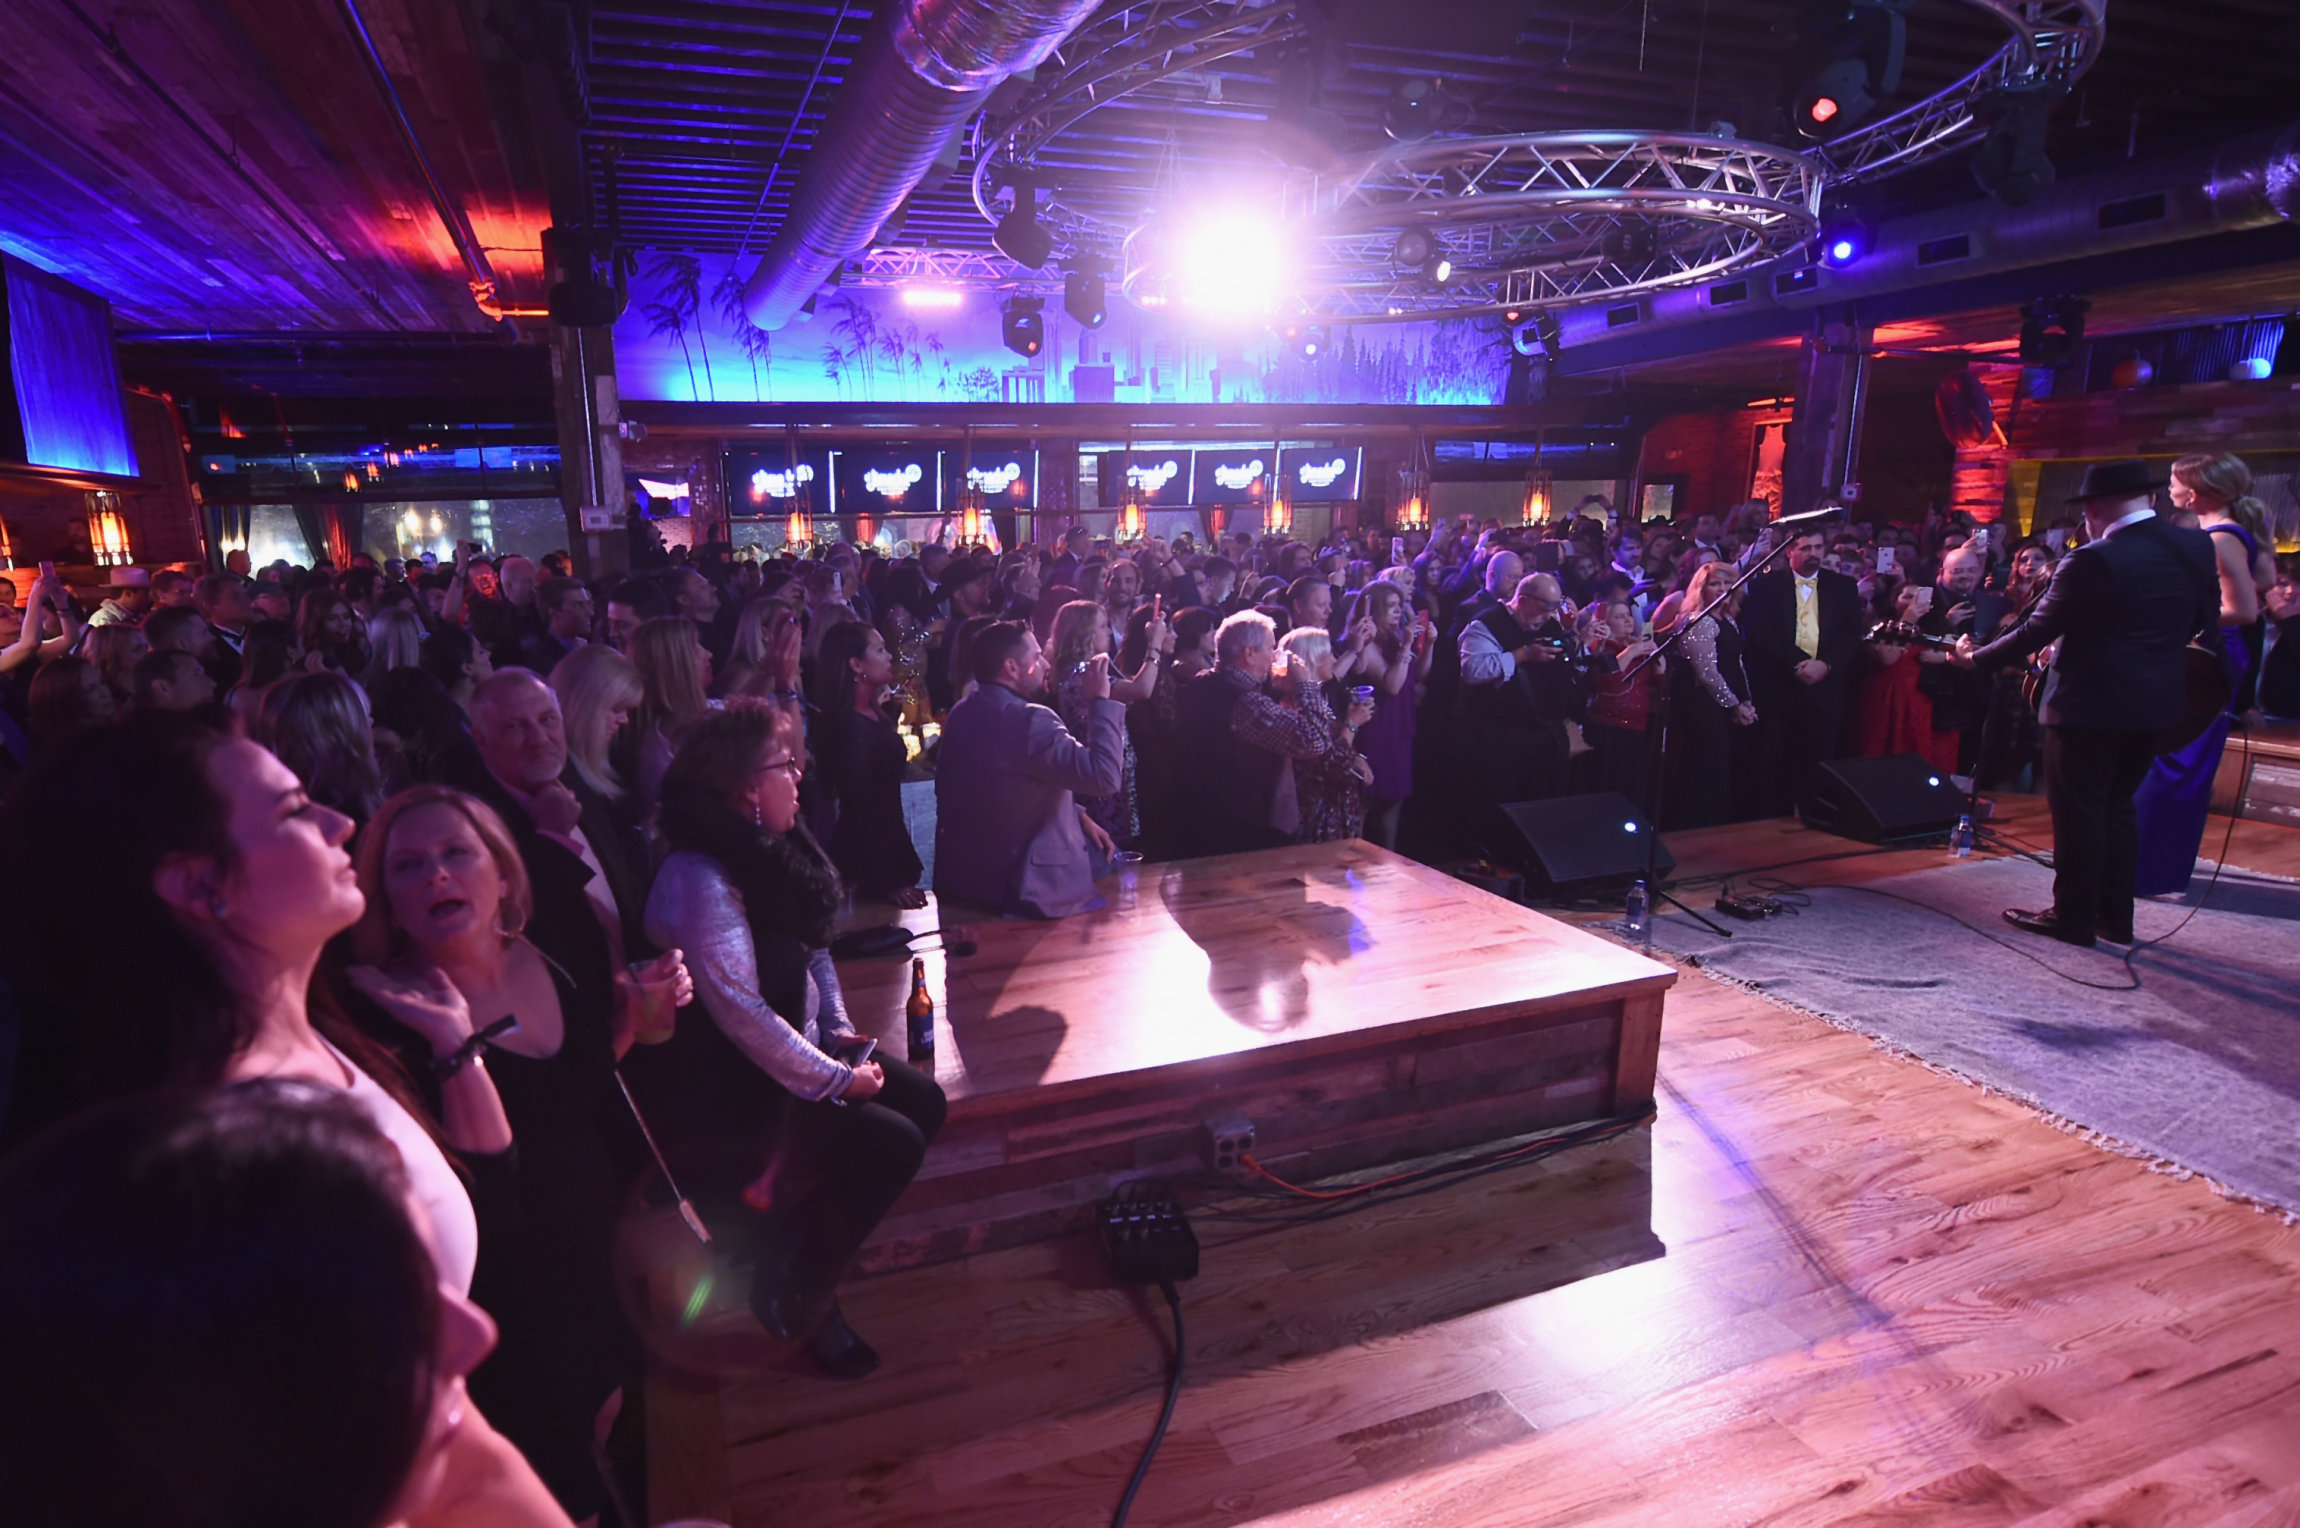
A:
{"points": [[920, 1010]]}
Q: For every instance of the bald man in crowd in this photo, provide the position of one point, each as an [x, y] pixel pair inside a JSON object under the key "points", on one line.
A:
{"points": [[1517, 693]]}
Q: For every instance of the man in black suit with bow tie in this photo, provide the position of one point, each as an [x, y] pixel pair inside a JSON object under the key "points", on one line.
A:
{"points": [[2125, 606], [1800, 631]]}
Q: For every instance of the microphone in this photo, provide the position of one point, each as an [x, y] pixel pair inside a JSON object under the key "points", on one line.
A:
{"points": [[1815, 516]]}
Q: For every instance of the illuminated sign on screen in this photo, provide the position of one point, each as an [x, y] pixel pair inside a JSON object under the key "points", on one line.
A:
{"points": [[765, 480], [1315, 474], [767, 484], [1006, 478], [1159, 478], [1232, 477], [895, 481]]}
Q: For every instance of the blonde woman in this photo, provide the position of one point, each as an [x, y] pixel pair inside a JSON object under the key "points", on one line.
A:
{"points": [[116, 650], [769, 638], [1710, 700], [675, 678], [1082, 632], [441, 950], [394, 640], [2217, 492], [599, 692]]}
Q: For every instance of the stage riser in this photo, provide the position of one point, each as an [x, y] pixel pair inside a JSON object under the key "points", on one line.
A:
{"points": [[997, 1178]]}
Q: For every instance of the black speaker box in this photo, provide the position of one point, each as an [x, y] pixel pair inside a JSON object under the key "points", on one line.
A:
{"points": [[1897, 795], [1576, 841]]}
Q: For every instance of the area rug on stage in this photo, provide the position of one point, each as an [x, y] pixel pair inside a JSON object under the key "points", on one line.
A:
{"points": [[2199, 1067]]}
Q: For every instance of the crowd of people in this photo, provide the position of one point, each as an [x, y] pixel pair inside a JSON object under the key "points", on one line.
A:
{"points": [[431, 855]]}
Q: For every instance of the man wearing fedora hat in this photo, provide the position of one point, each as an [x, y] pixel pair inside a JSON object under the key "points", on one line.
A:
{"points": [[130, 601], [2124, 606]]}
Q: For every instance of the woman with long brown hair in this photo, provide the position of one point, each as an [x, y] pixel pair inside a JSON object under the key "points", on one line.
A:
{"points": [[220, 881]]}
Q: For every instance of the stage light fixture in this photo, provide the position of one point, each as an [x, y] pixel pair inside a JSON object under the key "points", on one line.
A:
{"points": [[1414, 109], [1085, 298], [1020, 236], [1306, 340], [2051, 329], [1438, 271], [1414, 249], [1022, 324], [2011, 164], [1538, 335], [1845, 240], [1628, 244], [1846, 57]]}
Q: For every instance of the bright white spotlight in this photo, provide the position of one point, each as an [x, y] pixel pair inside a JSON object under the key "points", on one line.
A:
{"points": [[1232, 261], [931, 297]]}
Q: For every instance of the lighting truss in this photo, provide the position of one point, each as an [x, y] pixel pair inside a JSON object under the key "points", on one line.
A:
{"points": [[1122, 50], [1523, 218], [2052, 42], [903, 265], [1539, 220]]}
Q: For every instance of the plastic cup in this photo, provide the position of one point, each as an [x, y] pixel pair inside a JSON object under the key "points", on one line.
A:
{"points": [[1363, 694], [658, 1016]]}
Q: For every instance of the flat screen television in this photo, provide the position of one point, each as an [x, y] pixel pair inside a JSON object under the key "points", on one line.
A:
{"points": [[61, 406]]}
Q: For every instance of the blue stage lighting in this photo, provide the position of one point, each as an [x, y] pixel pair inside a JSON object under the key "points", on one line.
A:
{"points": [[1845, 240]]}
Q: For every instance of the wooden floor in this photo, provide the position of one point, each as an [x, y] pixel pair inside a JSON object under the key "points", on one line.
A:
{"points": [[1883, 1297]]}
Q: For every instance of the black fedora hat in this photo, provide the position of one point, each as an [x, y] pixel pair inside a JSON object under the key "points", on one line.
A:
{"points": [[2127, 479]]}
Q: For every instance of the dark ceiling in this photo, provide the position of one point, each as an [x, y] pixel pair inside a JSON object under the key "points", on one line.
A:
{"points": [[228, 165]]}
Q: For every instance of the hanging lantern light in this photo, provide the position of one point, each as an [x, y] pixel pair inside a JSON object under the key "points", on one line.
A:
{"points": [[7, 549], [108, 532], [1413, 489]]}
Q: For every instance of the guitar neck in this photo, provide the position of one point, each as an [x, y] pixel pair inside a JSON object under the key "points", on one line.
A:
{"points": [[1902, 634]]}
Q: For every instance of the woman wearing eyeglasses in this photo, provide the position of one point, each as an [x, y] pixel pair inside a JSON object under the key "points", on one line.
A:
{"points": [[819, 1148]]}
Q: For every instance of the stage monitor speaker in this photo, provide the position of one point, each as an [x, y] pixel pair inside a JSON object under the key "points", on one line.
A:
{"points": [[1576, 841], [1897, 795]]}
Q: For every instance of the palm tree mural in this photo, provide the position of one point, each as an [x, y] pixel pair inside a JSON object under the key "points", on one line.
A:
{"points": [[858, 326], [677, 307], [895, 353], [936, 348], [835, 368], [756, 344]]}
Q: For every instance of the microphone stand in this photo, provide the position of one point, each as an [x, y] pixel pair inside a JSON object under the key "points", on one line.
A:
{"points": [[1657, 765]]}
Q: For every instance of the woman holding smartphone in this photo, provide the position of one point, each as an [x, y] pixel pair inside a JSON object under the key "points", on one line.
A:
{"points": [[819, 1146]]}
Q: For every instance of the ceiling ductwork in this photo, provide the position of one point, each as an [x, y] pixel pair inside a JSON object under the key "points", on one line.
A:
{"points": [[916, 81], [2248, 182]]}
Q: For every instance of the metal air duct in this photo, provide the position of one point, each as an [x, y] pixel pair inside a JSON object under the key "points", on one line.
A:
{"points": [[914, 84]]}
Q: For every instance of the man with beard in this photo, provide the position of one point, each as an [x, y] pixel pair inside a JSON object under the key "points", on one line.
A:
{"points": [[1008, 830]]}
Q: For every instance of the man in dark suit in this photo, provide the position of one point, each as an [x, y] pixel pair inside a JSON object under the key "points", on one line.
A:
{"points": [[1800, 629], [2124, 606]]}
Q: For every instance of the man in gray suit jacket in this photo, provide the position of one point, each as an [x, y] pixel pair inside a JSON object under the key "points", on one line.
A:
{"points": [[1008, 831]]}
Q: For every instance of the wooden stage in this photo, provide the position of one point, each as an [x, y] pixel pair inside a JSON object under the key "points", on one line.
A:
{"points": [[1887, 1297], [1358, 1007]]}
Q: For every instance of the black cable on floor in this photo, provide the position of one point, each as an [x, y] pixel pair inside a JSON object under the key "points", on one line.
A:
{"points": [[1165, 1413]]}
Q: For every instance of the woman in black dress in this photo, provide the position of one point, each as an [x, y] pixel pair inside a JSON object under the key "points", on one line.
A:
{"points": [[862, 759], [447, 896], [1708, 700]]}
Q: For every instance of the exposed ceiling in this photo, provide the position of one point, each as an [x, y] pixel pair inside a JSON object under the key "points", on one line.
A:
{"points": [[229, 165]]}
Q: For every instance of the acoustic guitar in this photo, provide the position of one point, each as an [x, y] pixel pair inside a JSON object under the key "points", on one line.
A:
{"points": [[2206, 696]]}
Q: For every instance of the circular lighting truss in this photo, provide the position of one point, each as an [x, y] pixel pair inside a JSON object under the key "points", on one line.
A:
{"points": [[1542, 220], [1526, 221], [2052, 42]]}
